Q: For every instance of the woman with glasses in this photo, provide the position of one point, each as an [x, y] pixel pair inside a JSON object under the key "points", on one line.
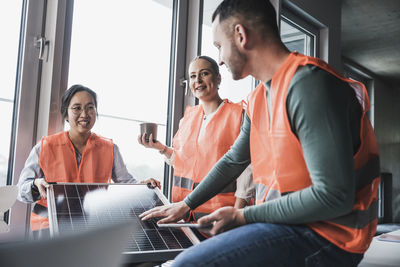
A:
{"points": [[205, 134], [74, 156]]}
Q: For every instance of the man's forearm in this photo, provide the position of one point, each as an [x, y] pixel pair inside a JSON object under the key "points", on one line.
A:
{"points": [[227, 169], [220, 176], [304, 206]]}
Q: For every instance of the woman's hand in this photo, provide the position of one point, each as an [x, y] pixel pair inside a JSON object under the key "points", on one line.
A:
{"points": [[152, 182], [41, 185], [222, 219], [150, 144], [240, 203], [169, 213]]}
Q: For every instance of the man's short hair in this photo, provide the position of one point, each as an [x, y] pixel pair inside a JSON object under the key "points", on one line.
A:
{"points": [[259, 14]]}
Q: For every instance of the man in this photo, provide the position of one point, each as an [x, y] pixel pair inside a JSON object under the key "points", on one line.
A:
{"points": [[313, 151]]}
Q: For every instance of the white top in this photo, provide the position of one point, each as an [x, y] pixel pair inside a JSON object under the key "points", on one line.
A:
{"points": [[244, 183], [206, 120]]}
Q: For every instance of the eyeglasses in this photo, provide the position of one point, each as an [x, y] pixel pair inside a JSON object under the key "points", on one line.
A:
{"points": [[77, 110]]}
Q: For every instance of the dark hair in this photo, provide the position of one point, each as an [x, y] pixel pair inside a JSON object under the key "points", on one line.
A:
{"points": [[214, 64], [260, 14], [66, 98]]}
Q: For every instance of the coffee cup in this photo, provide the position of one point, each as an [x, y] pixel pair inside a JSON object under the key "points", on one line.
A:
{"points": [[149, 128]]}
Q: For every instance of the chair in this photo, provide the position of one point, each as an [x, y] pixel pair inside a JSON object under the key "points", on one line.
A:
{"points": [[8, 196]]}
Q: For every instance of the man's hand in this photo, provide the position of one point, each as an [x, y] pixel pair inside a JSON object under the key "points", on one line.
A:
{"points": [[152, 183], [169, 213], [223, 219], [41, 185]]}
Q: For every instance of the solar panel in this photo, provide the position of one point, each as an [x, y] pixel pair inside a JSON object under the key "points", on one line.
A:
{"points": [[79, 207]]}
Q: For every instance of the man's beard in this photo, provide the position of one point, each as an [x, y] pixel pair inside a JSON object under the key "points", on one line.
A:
{"points": [[236, 63]]}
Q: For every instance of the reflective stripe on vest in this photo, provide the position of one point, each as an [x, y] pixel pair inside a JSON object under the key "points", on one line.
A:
{"points": [[278, 162], [367, 173], [263, 194], [261, 190], [57, 160], [358, 219], [187, 183], [195, 157]]}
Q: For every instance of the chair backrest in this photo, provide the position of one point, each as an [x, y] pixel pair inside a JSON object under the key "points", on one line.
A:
{"points": [[8, 196]]}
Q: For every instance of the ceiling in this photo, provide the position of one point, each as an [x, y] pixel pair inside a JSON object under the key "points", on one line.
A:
{"points": [[371, 36]]}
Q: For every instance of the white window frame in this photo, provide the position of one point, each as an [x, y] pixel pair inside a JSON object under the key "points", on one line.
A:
{"points": [[25, 109], [356, 72], [55, 76]]}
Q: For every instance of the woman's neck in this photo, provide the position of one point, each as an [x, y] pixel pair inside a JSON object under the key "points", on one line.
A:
{"points": [[211, 106], [79, 140]]}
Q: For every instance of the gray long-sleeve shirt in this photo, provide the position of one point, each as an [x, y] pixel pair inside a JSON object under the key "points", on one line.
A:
{"points": [[32, 170], [324, 114]]}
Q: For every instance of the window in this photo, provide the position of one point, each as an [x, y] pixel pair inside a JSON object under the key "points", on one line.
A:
{"points": [[357, 74], [20, 71], [233, 90], [10, 15], [296, 39], [297, 34], [127, 64]]}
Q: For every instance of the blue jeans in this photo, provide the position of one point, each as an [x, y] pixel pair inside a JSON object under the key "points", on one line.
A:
{"points": [[264, 244]]}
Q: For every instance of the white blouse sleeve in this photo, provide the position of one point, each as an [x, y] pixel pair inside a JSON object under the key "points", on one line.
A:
{"points": [[28, 174], [120, 173], [170, 161], [244, 185]]}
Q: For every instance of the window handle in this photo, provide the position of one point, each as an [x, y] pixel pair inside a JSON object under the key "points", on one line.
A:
{"points": [[41, 43], [184, 82]]}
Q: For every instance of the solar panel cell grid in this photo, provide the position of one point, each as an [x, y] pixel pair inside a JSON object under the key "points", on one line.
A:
{"points": [[79, 207]]}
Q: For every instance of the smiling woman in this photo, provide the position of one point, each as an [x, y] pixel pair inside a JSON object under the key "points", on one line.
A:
{"points": [[205, 134], [70, 156]]}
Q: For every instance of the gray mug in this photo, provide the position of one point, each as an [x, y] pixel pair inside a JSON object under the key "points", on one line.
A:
{"points": [[149, 128]]}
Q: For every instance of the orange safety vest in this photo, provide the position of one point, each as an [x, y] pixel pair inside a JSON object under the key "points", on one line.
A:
{"points": [[194, 158], [57, 160], [279, 166]]}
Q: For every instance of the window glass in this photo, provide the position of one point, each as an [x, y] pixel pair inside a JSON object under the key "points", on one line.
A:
{"points": [[233, 90], [121, 50], [10, 18], [296, 38]]}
